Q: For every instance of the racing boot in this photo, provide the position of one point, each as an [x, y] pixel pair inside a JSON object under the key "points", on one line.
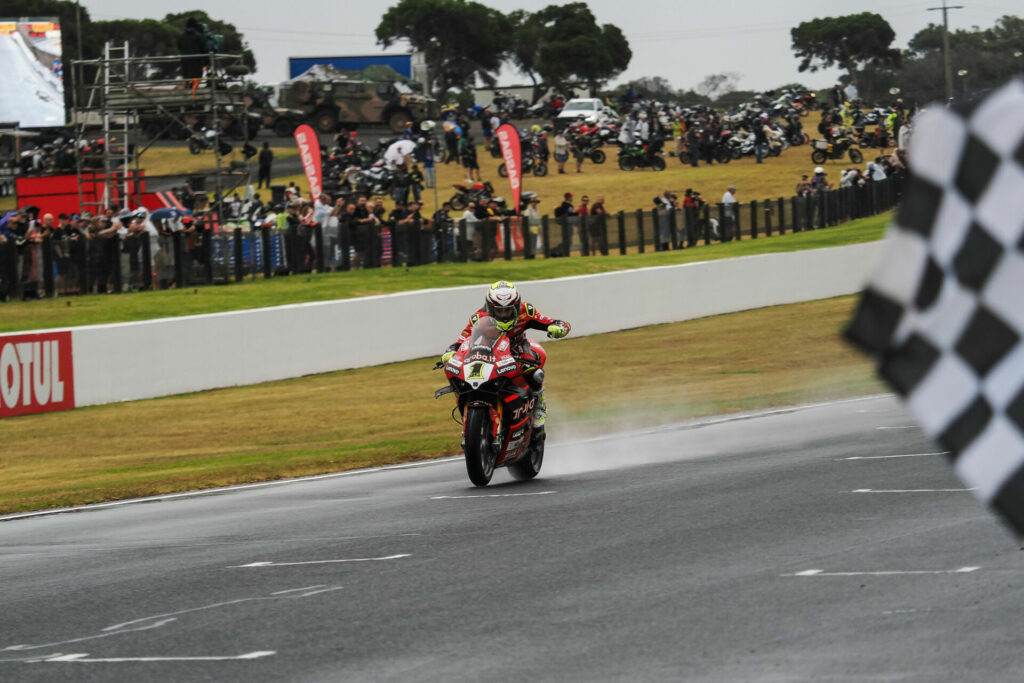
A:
{"points": [[540, 410]]}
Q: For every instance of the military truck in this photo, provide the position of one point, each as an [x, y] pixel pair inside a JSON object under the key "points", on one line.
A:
{"points": [[333, 99]]}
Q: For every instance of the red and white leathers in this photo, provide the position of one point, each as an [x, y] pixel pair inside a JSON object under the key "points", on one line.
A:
{"points": [[523, 349]]}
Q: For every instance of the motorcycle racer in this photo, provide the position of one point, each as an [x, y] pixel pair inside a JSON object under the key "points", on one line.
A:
{"points": [[513, 317]]}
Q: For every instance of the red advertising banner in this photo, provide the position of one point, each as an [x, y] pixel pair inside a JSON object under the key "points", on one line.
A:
{"points": [[309, 152], [36, 373], [508, 137]]}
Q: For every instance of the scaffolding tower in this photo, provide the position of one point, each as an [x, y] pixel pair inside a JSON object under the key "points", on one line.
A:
{"points": [[119, 95]]}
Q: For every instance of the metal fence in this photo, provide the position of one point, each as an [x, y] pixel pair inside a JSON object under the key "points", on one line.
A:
{"points": [[99, 265]]}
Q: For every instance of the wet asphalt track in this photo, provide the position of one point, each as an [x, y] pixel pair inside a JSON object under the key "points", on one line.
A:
{"points": [[774, 548]]}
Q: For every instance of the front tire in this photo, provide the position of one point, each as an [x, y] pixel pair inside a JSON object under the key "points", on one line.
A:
{"points": [[529, 467], [502, 171], [627, 163], [658, 164], [479, 459], [598, 156], [818, 156], [540, 169], [458, 202], [856, 156], [194, 146]]}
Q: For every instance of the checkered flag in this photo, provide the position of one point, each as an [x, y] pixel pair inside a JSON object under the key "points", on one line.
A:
{"points": [[944, 312]]}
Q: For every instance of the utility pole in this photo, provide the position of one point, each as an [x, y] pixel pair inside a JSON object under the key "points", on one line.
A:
{"points": [[945, 44]]}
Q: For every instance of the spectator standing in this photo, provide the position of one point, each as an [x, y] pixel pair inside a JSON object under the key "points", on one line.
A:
{"points": [[429, 172], [266, 158], [565, 208], [467, 152], [819, 182], [693, 143], [729, 204], [469, 215], [561, 150], [803, 188], [532, 216]]}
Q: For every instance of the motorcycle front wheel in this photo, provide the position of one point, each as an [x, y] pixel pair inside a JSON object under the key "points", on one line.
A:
{"points": [[627, 163], [479, 459], [458, 202], [855, 155], [818, 156], [502, 171], [195, 146], [658, 164], [598, 156], [540, 169]]}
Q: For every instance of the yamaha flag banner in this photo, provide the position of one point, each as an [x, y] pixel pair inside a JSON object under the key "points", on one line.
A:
{"points": [[943, 313], [309, 152], [508, 137]]}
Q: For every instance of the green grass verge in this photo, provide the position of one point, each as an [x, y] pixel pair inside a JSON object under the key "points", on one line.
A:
{"points": [[387, 414], [88, 310]]}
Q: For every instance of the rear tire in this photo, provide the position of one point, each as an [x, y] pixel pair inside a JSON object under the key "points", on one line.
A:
{"points": [[458, 202], [326, 121], [398, 121], [479, 459], [598, 156], [540, 169], [818, 157], [658, 164], [627, 163], [723, 155], [195, 146], [502, 171], [856, 156], [529, 467]]}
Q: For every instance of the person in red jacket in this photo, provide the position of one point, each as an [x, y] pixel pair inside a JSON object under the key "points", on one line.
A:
{"points": [[513, 317]]}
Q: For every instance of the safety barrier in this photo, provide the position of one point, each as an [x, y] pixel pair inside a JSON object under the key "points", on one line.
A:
{"points": [[126, 361]]}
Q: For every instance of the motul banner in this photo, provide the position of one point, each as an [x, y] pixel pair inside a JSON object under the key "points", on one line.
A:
{"points": [[309, 152], [36, 373], [508, 137]]}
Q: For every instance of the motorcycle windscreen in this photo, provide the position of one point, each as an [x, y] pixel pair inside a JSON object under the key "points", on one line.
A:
{"points": [[485, 333]]}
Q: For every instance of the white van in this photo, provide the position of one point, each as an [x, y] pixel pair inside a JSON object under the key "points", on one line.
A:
{"points": [[580, 108]]}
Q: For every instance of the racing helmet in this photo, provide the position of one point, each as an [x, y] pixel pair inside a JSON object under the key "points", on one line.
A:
{"points": [[502, 303]]}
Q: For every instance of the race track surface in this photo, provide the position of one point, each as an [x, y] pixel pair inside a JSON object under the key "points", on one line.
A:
{"points": [[825, 543]]}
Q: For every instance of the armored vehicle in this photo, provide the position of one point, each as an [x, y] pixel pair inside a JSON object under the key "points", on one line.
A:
{"points": [[333, 99]]}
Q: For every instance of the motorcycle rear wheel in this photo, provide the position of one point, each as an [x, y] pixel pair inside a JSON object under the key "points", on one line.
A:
{"points": [[194, 146], [458, 202], [658, 164], [540, 169], [479, 459], [723, 155], [529, 467], [818, 156], [598, 156], [502, 171], [627, 163], [855, 155]]}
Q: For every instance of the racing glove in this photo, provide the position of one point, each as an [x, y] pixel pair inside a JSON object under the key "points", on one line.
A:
{"points": [[557, 331], [447, 356]]}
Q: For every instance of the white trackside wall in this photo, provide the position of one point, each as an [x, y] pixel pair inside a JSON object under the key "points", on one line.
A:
{"points": [[127, 361]]}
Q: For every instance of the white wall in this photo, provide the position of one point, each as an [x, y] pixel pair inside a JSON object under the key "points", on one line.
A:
{"points": [[129, 361]]}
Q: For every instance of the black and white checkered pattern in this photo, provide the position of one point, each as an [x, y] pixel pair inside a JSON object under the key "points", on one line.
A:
{"points": [[944, 312]]}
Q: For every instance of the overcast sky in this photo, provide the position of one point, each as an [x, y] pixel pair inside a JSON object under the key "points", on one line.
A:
{"points": [[680, 40]]}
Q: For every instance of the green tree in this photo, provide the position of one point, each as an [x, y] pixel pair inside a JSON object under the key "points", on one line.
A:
{"points": [[850, 42], [461, 40], [574, 48]]}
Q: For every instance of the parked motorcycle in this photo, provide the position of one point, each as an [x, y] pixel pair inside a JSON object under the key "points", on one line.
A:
{"points": [[633, 156], [207, 138], [530, 165], [824, 150], [496, 404], [472, 193]]}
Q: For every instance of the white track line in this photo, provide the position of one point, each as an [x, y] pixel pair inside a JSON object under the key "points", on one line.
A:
{"points": [[84, 657], [900, 427], [901, 455], [492, 495], [822, 572], [258, 565], [911, 490]]}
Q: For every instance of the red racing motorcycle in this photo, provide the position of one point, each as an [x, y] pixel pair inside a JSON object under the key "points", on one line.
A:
{"points": [[496, 404]]}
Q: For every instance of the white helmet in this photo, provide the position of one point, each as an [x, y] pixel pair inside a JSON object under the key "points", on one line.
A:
{"points": [[591, 120], [502, 303], [818, 169]]}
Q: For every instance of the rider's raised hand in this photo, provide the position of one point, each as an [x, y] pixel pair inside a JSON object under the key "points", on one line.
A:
{"points": [[557, 331]]}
